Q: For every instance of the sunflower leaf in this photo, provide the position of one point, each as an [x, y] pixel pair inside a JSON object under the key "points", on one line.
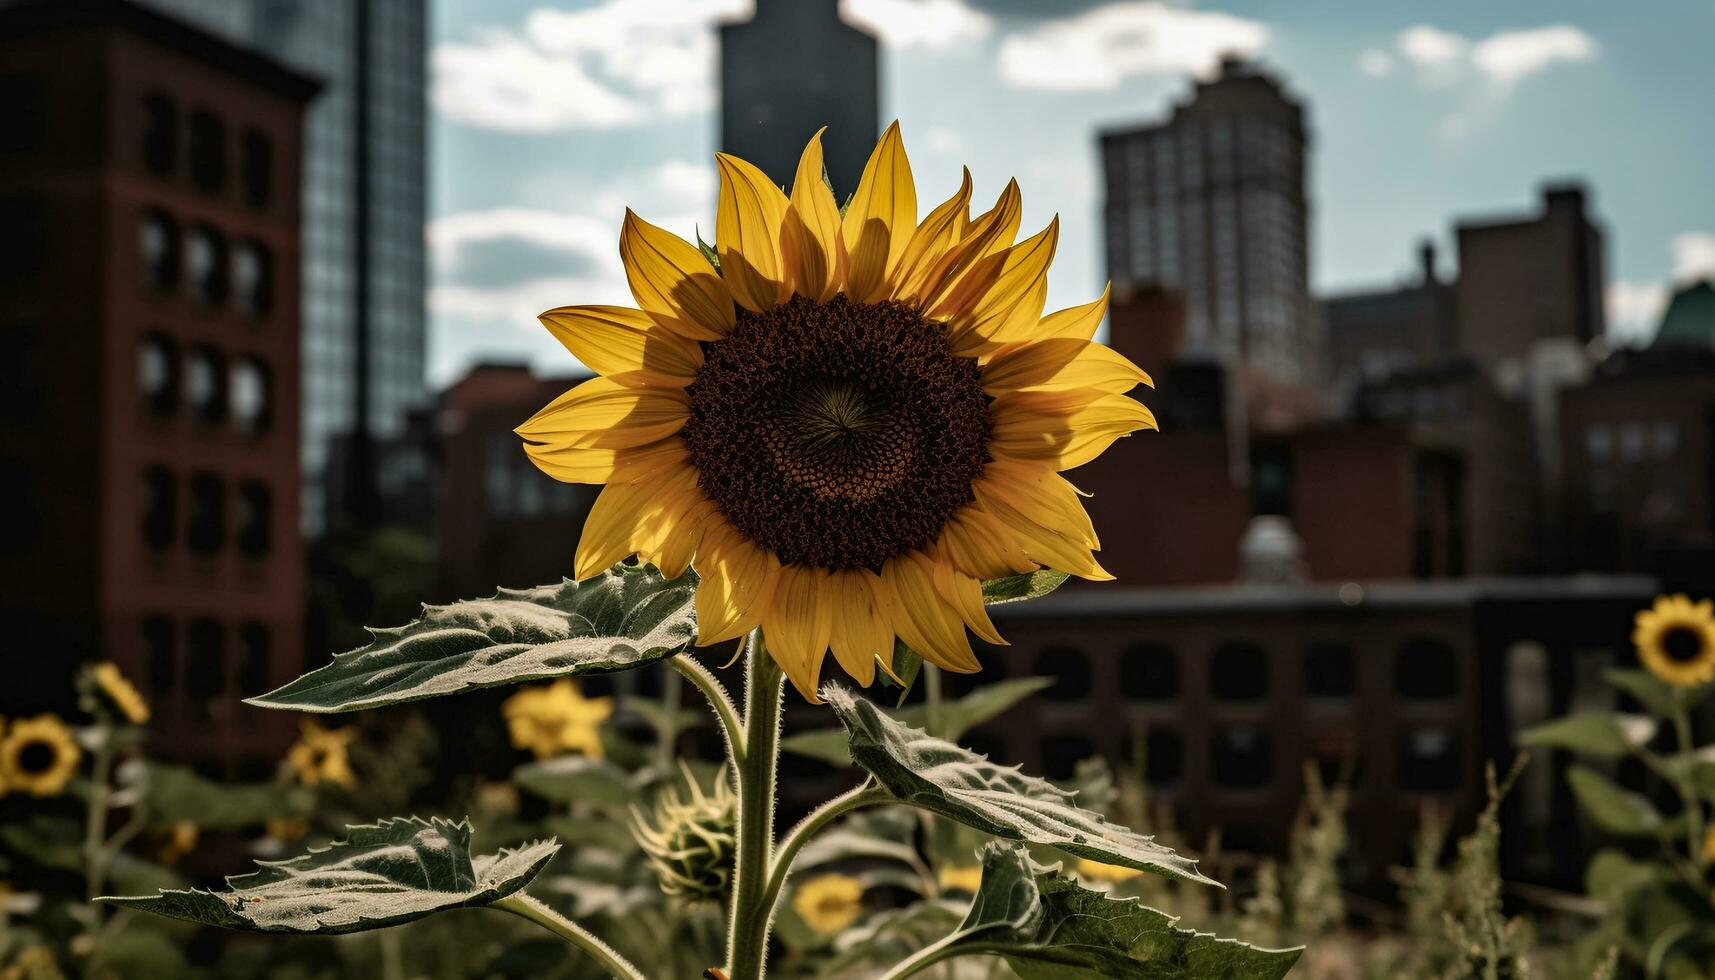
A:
{"points": [[175, 794], [382, 874], [628, 616], [1047, 926], [955, 718], [1016, 588], [1655, 694], [938, 776], [1616, 810], [1604, 734]]}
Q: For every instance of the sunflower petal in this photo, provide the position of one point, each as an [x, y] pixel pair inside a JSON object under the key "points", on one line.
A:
{"points": [[1075, 322], [603, 413], [810, 242], [672, 281], [738, 581], [862, 625], [938, 233], [589, 464], [1050, 546], [1035, 489], [990, 234], [642, 516], [877, 224], [1061, 365], [965, 595], [1063, 428], [1004, 309], [747, 233], [978, 545], [923, 619], [624, 344], [797, 626]]}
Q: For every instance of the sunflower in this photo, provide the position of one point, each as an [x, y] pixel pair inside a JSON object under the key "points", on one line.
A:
{"points": [[555, 719], [960, 878], [844, 423], [38, 756], [120, 692], [829, 903], [177, 841], [1097, 871], [1676, 640], [321, 755]]}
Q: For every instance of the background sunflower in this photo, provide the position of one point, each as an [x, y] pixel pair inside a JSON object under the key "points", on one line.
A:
{"points": [[1676, 640]]}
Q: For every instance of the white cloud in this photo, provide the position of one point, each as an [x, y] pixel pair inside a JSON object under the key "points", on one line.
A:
{"points": [[502, 82], [1375, 63], [1427, 46], [1693, 256], [1511, 56], [1100, 48], [933, 24], [1635, 307]]}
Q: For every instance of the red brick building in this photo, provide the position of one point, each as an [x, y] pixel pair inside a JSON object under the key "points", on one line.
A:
{"points": [[149, 344]]}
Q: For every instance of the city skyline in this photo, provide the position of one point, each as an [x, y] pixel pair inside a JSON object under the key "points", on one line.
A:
{"points": [[1416, 124]]}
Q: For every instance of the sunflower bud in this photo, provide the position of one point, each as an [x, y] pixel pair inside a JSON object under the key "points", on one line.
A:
{"points": [[690, 842]]}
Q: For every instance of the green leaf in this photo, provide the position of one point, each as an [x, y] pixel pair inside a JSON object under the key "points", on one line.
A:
{"points": [[1613, 874], [627, 617], [1616, 810], [957, 717], [381, 875], [574, 778], [1655, 694], [908, 666], [1049, 927], [1605, 734], [1017, 588], [175, 794], [941, 777], [709, 253]]}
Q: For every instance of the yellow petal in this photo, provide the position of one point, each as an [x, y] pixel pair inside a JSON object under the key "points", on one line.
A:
{"points": [[965, 595], [938, 233], [862, 624], [796, 626], [990, 234], [673, 282], [1063, 428], [1036, 490], [878, 222], [810, 242], [626, 514], [625, 344], [747, 233], [738, 581], [670, 531], [1052, 547], [1075, 322], [977, 544], [588, 464], [605, 414], [1061, 365], [1005, 308], [922, 618]]}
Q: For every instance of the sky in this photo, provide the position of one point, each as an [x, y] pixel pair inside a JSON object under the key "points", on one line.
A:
{"points": [[550, 117]]}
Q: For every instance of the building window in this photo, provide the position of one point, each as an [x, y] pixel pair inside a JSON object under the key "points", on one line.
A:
{"points": [[158, 374], [20, 373], [205, 384], [159, 655], [1632, 442], [160, 507], [255, 168], [208, 151], [1149, 672], [253, 659], [1429, 760], [252, 278], [1426, 670], [1242, 757], [1163, 758], [1239, 672], [1271, 480], [23, 113], [254, 518], [251, 396], [1070, 670], [160, 134], [1664, 440], [206, 527], [1062, 753], [1330, 671], [24, 245], [205, 663], [206, 265], [158, 248]]}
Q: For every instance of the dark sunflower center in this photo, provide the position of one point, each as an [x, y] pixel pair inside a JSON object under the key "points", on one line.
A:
{"points": [[1682, 644], [839, 434], [36, 758]]}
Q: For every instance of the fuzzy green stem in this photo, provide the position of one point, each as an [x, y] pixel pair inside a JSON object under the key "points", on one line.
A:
{"points": [[862, 795], [95, 825], [748, 919], [932, 700], [716, 694], [1687, 791], [935, 952], [526, 907]]}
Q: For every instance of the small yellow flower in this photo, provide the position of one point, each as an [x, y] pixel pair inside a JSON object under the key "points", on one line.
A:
{"points": [[556, 719], [287, 829], [38, 756], [1097, 871], [497, 797], [320, 755], [1676, 640], [829, 903], [180, 839], [964, 878], [120, 691]]}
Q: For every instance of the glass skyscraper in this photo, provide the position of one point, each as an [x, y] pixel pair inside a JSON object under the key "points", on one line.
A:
{"points": [[364, 199]]}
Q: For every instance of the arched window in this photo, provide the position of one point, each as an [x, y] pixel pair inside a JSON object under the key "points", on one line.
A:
{"points": [[206, 265], [1149, 672], [1239, 672], [160, 507], [205, 663], [1429, 759], [205, 384], [255, 516], [206, 528], [1062, 753], [253, 643], [1426, 670], [1330, 671], [251, 396], [159, 656], [208, 151], [1070, 670], [158, 373], [158, 249], [160, 134], [1243, 757], [253, 278], [255, 167]]}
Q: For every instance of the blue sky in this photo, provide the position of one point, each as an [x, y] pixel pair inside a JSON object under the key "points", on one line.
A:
{"points": [[551, 116]]}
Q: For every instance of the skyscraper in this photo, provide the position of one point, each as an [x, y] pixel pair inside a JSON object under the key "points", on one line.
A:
{"points": [[364, 199], [790, 70], [1211, 204]]}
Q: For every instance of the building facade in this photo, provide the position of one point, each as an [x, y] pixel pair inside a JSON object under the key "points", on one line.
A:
{"points": [[788, 71], [1212, 204], [1372, 333], [150, 316]]}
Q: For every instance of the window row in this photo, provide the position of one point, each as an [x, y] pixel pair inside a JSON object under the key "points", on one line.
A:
{"points": [[199, 657], [211, 269], [199, 378], [1423, 670], [1426, 759], [201, 514], [197, 142], [1637, 440]]}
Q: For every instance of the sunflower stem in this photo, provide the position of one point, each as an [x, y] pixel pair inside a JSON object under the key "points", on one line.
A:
{"points": [[95, 825], [527, 907], [864, 794], [715, 692], [1687, 791], [748, 918]]}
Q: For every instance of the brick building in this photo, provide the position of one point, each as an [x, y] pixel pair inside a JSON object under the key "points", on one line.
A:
{"points": [[149, 328]]}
